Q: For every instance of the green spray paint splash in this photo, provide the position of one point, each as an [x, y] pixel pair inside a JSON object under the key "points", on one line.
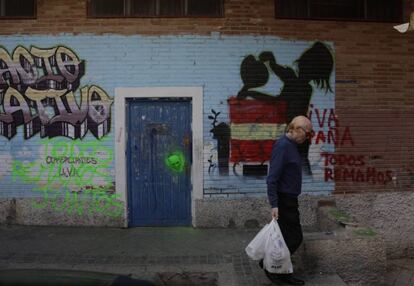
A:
{"points": [[175, 161], [92, 201], [67, 168]]}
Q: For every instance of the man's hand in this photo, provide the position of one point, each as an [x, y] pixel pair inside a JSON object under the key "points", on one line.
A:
{"points": [[275, 213]]}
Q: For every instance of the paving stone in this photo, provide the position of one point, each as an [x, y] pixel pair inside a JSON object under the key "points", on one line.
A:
{"points": [[130, 255]]}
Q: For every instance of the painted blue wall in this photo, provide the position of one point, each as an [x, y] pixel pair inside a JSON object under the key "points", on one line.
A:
{"points": [[212, 62]]}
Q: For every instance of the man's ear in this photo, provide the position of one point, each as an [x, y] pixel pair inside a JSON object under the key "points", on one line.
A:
{"points": [[288, 127]]}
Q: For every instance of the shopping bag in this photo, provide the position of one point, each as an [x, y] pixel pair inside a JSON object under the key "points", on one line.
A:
{"points": [[256, 248], [276, 254]]}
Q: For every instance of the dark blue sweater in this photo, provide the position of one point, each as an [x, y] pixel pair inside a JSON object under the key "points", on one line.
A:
{"points": [[285, 171]]}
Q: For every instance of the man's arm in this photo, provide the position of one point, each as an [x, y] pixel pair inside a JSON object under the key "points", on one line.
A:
{"points": [[275, 170]]}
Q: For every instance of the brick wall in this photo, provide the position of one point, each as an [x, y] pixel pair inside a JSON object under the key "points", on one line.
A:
{"points": [[241, 17]]}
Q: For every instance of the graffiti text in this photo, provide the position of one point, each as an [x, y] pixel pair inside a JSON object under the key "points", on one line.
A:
{"points": [[37, 90]]}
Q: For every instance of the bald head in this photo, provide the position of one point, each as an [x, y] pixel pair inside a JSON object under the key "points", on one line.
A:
{"points": [[299, 129], [301, 121]]}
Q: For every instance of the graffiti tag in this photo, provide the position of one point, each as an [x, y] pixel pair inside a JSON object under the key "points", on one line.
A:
{"points": [[37, 90], [349, 168], [99, 201], [68, 164]]}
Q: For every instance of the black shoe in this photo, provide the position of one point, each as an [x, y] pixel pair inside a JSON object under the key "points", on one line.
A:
{"points": [[288, 279], [271, 276]]}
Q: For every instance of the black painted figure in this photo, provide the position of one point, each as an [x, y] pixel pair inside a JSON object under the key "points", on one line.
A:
{"points": [[315, 65], [221, 133]]}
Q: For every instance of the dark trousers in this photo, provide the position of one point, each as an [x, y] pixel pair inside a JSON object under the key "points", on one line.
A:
{"points": [[289, 221]]}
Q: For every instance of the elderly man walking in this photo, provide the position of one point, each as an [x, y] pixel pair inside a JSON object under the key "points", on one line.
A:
{"points": [[284, 184]]}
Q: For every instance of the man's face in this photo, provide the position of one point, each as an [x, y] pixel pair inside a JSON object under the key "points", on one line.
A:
{"points": [[303, 133]]}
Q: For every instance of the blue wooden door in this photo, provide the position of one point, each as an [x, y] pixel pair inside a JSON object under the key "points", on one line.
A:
{"points": [[159, 153]]}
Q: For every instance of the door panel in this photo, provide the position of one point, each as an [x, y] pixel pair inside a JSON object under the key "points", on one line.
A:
{"points": [[159, 162]]}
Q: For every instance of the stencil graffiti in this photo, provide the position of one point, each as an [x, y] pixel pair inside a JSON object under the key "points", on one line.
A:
{"points": [[37, 90], [258, 118], [221, 133], [315, 64]]}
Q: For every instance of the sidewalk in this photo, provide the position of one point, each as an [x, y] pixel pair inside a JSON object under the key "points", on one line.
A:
{"points": [[400, 272], [149, 252]]}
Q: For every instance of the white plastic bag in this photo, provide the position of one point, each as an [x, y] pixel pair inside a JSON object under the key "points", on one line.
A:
{"points": [[277, 255], [256, 248]]}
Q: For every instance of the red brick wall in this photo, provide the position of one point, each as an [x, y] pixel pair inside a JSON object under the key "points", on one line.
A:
{"points": [[374, 72]]}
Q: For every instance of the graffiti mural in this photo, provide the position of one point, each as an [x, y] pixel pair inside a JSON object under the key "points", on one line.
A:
{"points": [[71, 176], [315, 64], [37, 90], [67, 165], [257, 118], [40, 90]]}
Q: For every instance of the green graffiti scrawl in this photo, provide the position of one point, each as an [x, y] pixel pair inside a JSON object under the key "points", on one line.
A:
{"points": [[68, 164], [72, 176], [175, 162], [93, 201]]}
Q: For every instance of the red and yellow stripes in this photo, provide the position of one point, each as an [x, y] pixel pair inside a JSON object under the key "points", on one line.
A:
{"points": [[254, 126]]}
